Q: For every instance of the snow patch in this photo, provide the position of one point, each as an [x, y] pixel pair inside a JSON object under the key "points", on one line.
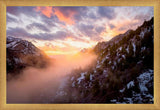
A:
{"points": [[11, 44], [104, 71], [130, 84], [122, 90], [73, 84], [91, 77], [143, 79], [115, 63], [127, 49], [134, 48], [123, 56], [105, 59], [81, 77], [112, 67], [119, 60], [113, 101], [142, 49], [128, 100], [120, 48], [143, 32], [98, 66], [139, 62], [17, 60], [72, 78]]}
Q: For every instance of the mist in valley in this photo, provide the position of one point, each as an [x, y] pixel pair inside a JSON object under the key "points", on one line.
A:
{"points": [[40, 85]]}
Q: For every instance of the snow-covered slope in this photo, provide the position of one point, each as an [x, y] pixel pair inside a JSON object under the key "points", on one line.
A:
{"points": [[123, 72], [140, 90]]}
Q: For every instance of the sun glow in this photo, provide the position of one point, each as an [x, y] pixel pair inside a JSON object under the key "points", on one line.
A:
{"points": [[65, 47], [79, 44], [50, 53]]}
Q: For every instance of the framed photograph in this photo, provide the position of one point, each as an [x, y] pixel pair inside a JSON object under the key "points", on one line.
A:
{"points": [[81, 55]]}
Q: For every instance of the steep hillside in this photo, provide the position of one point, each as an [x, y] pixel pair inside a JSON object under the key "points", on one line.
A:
{"points": [[22, 54], [123, 72]]}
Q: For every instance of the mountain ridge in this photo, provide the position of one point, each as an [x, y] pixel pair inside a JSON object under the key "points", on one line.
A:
{"points": [[22, 54], [123, 72]]}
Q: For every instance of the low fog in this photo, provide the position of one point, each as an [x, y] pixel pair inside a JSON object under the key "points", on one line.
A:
{"points": [[40, 85]]}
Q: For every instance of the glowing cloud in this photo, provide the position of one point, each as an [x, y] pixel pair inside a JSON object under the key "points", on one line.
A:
{"points": [[47, 11], [67, 19]]}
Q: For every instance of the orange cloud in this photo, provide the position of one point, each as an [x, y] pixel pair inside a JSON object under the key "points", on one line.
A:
{"points": [[67, 19], [47, 11], [120, 28], [123, 26]]}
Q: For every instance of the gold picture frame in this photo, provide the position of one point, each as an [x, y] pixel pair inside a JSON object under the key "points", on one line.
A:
{"points": [[5, 3]]}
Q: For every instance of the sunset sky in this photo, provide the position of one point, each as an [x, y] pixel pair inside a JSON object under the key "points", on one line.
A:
{"points": [[67, 30]]}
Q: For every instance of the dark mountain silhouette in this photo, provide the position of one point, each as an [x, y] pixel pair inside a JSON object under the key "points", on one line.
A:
{"points": [[22, 54]]}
